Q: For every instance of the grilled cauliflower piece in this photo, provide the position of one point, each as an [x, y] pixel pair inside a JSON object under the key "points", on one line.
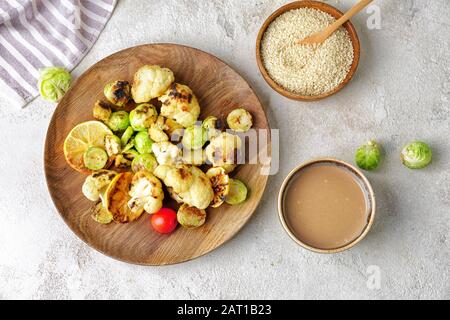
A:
{"points": [[240, 120], [191, 217], [156, 130], [146, 192], [220, 183], [194, 157], [166, 153], [180, 104], [224, 149], [172, 127], [151, 82], [189, 183], [100, 214], [96, 183], [102, 111]]}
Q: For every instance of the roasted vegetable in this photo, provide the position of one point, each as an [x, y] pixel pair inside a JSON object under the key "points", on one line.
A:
{"points": [[113, 145], [100, 214], [144, 162], [194, 137], [166, 153], [156, 131], [180, 104], [118, 121], [95, 158], [240, 120], [146, 192], [220, 183], [126, 136], [101, 111], [213, 127], [191, 217], [143, 143], [96, 183], [118, 93], [238, 192], [143, 117], [194, 157], [151, 82], [224, 149]]}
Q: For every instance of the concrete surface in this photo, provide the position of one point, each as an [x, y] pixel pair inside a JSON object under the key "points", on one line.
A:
{"points": [[400, 93]]}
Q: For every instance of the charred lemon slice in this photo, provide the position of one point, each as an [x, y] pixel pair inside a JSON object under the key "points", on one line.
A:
{"points": [[220, 183], [117, 198], [83, 137]]}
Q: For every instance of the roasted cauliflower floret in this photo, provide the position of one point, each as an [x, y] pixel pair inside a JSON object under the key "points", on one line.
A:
{"points": [[146, 192], [220, 183], [151, 82], [102, 111], [194, 157], [166, 153], [188, 183], [224, 149], [97, 183], [180, 104], [156, 130]]}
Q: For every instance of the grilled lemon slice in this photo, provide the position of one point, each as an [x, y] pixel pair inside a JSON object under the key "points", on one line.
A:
{"points": [[84, 136], [117, 198]]}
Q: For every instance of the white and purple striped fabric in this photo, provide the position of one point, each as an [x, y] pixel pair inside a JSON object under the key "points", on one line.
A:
{"points": [[43, 33]]}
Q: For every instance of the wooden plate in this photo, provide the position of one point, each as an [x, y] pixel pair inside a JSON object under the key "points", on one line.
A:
{"points": [[325, 8], [219, 89]]}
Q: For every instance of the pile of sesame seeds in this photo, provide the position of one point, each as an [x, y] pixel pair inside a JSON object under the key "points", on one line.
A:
{"points": [[305, 69]]}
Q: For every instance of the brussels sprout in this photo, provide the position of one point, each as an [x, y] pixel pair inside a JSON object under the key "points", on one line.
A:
{"points": [[101, 111], [213, 126], [143, 143], [237, 193], [191, 217], [118, 93], [130, 154], [95, 158], [124, 160], [143, 116], [416, 155], [368, 156], [144, 162], [112, 145], [100, 214], [53, 83], [126, 137], [130, 145], [194, 157], [240, 120], [118, 121], [228, 167], [195, 137]]}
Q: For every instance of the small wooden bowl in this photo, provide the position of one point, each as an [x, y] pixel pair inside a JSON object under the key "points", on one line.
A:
{"points": [[320, 6], [358, 175]]}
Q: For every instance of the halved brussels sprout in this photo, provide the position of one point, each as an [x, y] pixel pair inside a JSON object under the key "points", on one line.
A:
{"points": [[101, 111], [53, 83], [143, 143], [95, 158], [238, 192], [130, 145], [144, 162], [100, 214], [221, 185], [195, 137], [113, 145], [118, 92], [191, 217], [118, 121], [240, 120], [416, 155], [368, 156], [127, 136], [124, 160], [143, 117], [213, 126]]}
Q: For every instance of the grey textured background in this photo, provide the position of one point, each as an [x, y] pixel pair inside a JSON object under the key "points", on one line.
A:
{"points": [[401, 92]]}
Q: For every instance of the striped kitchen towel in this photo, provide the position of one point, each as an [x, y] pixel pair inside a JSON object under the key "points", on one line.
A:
{"points": [[43, 33]]}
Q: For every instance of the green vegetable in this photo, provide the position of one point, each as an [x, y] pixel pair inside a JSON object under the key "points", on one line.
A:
{"points": [[195, 137], [127, 136], [95, 158], [118, 121], [238, 192], [101, 111], [118, 92], [416, 155], [143, 116], [143, 143], [53, 83], [213, 126], [100, 214], [130, 145], [113, 145], [368, 156], [144, 162]]}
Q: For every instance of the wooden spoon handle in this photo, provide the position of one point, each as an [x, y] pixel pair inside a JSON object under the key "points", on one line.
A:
{"points": [[350, 13]]}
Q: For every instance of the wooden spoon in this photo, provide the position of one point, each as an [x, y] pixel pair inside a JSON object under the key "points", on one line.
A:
{"points": [[321, 36]]}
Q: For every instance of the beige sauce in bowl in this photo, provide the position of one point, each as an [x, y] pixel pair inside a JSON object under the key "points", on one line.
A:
{"points": [[325, 206]]}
